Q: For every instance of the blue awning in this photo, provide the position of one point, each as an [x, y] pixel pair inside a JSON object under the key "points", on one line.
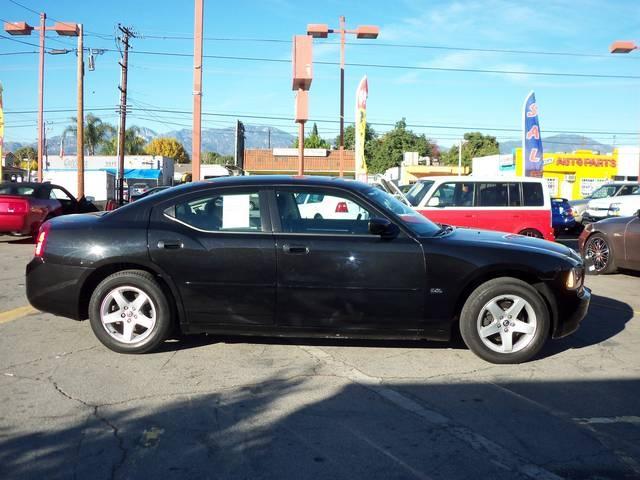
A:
{"points": [[147, 174]]}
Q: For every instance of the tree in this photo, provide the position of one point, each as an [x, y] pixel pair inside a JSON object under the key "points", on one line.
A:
{"points": [[27, 158], [370, 137], [314, 140], [134, 143], [390, 147], [168, 147], [476, 145], [214, 158], [96, 132]]}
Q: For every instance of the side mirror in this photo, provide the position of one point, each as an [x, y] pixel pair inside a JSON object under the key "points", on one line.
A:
{"points": [[383, 227], [433, 202]]}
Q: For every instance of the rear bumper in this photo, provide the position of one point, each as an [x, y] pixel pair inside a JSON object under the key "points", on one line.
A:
{"points": [[572, 308], [55, 288], [14, 223]]}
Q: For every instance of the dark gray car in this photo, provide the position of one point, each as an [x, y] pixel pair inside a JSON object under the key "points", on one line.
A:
{"points": [[611, 244]]}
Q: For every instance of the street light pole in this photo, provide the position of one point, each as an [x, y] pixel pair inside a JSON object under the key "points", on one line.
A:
{"points": [[362, 32], [80, 114], [625, 46], [341, 150], [43, 18]]}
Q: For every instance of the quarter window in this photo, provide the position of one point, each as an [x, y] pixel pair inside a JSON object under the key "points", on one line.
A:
{"points": [[238, 212], [321, 213], [532, 194]]}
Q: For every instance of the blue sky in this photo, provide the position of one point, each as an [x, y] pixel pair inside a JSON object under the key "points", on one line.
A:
{"points": [[480, 101]]}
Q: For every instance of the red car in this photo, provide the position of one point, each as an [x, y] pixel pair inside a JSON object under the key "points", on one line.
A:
{"points": [[26, 206]]}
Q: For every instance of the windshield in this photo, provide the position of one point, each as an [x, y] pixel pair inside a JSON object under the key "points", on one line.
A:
{"points": [[604, 191], [418, 191], [410, 218]]}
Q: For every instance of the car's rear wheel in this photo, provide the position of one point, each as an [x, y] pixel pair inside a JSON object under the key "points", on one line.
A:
{"points": [[317, 216], [599, 253], [505, 320], [531, 232], [129, 312]]}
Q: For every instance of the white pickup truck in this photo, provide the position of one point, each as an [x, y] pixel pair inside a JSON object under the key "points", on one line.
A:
{"points": [[620, 206]]}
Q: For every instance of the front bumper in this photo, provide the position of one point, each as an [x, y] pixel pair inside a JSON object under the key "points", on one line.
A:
{"points": [[572, 308], [55, 288]]}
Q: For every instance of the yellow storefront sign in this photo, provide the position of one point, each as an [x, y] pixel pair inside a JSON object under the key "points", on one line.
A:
{"points": [[574, 175]]}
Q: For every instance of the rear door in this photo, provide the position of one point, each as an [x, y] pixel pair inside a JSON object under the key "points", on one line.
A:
{"points": [[218, 248], [332, 273]]}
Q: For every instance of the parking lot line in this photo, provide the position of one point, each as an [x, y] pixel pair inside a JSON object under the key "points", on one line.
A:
{"points": [[16, 313]]}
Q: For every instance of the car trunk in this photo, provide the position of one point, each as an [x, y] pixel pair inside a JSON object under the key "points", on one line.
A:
{"points": [[13, 212]]}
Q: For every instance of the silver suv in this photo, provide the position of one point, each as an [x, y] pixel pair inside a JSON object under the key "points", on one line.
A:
{"points": [[612, 189]]}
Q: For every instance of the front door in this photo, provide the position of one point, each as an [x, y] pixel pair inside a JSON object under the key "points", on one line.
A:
{"points": [[333, 274], [218, 248], [632, 243]]}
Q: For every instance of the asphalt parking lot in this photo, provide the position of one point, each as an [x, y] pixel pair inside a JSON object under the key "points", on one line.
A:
{"points": [[210, 407]]}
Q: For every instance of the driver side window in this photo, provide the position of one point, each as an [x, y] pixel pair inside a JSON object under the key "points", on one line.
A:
{"points": [[322, 212]]}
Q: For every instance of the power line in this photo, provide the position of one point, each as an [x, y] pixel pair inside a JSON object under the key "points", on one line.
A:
{"points": [[392, 45], [18, 53], [132, 109], [398, 67], [25, 7]]}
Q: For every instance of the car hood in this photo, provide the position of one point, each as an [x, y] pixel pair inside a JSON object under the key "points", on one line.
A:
{"points": [[509, 241], [624, 199]]}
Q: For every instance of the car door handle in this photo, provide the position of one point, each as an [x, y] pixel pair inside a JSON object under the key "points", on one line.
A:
{"points": [[295, 249], [170, 244]]}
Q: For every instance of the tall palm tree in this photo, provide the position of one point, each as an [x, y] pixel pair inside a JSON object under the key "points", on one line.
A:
{"points": [[96, 132], [134, 143]]}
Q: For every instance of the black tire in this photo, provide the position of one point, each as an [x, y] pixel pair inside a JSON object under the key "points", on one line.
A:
{"points": [[596, 242], [317, 216], [531, 232], [145, 282], [474, 306]]}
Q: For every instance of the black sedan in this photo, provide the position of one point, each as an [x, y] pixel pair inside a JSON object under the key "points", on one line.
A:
{"points": [[236, 255]]}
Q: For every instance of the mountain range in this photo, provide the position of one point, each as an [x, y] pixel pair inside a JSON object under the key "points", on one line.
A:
{"points": [[220, 140], [562, 143]]}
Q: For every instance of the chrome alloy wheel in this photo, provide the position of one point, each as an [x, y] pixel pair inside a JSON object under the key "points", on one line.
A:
{"points": [[507, 324], [598, 252], [128, 314]]}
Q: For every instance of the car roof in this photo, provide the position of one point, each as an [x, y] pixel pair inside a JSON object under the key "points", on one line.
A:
{"points": [[473, 178]]}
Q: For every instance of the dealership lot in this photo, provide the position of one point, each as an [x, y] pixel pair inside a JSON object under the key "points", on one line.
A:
{"points": [[211, 407]]}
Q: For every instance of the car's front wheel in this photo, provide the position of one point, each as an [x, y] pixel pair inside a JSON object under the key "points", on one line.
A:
{"points": [[505, 320], [598, 251], [129, 312]]}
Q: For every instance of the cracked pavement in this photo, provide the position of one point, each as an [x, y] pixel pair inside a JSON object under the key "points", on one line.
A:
{"points": [[230, 407]]}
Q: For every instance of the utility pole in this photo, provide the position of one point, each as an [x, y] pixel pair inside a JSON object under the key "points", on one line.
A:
{"points": [[124, 64], [80, 115], [43, 18], [196, 143]]}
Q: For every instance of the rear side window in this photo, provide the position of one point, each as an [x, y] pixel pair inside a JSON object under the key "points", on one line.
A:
{"points": [[514, 195], [493, 195], [16, 189], [532, 194], [220, 213]]}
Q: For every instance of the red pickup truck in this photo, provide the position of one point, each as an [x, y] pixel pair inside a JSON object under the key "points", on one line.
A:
{"points": [[26, 206]]}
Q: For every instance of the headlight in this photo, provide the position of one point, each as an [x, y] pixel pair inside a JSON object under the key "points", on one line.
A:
{"points": [[614, 209], [575, 277]]}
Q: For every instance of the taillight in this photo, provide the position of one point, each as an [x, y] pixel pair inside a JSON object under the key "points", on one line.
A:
{"points": [[41, 240], [341, 207]]}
